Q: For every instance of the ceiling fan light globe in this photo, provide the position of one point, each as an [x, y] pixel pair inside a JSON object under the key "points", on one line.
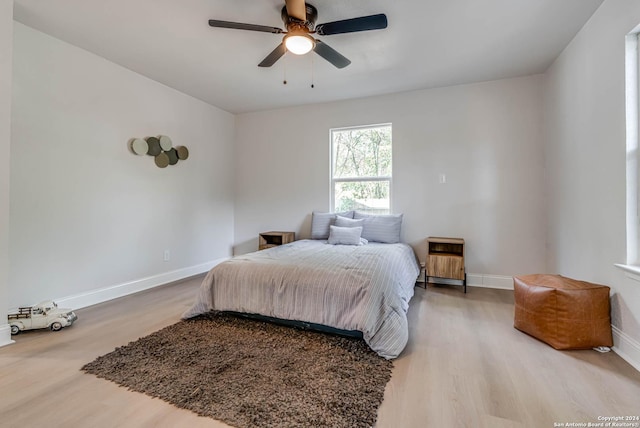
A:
{"points": [[299, 44]]}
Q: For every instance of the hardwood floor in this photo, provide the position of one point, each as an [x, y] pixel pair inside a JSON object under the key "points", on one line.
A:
{"points": [[465, 366]]}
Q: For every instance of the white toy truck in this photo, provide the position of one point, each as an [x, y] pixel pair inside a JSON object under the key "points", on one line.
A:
{"points": [[43, 315]]}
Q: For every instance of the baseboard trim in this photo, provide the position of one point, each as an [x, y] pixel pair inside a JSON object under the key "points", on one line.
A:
{"points": [[626, 347], [490, 281], [94, 297], [5, 335], [477, 280]]}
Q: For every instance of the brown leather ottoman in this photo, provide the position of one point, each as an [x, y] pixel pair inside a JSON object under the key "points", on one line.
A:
{"points": [[563, 312]]}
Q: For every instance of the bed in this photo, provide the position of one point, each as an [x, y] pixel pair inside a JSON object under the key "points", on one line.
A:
{"points": [[362, 288]]}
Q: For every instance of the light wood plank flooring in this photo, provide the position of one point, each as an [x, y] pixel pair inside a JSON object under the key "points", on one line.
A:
{"points": [[465, 366]]}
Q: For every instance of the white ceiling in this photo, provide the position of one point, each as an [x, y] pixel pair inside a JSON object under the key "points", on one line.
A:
{"points": [[428, 43]]}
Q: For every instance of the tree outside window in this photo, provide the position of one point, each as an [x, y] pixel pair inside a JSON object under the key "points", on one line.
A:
{"points": [[361, 169]]}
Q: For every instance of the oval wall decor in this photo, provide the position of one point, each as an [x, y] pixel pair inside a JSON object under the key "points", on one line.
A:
{"points": [[139, 146], [160, 148], [165, 143], [183, 152], [162, 160], [154, 146], [173, 156]]}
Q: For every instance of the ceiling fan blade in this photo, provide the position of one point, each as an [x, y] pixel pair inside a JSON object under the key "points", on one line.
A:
{"points": [[331, 55], [297, 9], [241, 26], [363, 23], [275, 55]]}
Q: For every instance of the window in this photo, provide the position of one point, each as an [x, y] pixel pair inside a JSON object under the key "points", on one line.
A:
{"points": [[632, 124], [361, 169], [632, 104]]}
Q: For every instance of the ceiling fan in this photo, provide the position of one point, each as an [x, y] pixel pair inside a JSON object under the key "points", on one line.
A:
{"points": [[299, 19]]}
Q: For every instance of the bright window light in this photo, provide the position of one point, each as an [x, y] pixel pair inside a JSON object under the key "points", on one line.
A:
{"points": [[361, 169]]}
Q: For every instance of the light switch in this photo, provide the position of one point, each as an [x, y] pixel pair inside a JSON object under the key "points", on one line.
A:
{"points": [[442, 178]]}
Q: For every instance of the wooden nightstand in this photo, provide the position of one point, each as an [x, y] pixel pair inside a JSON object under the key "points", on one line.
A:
{"points": [[273, 239], [445, 260]]}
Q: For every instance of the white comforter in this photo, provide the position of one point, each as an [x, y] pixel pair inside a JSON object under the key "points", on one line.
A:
{"points": [[365, 288]]}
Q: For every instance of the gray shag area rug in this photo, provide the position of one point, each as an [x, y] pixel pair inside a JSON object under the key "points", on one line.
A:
{"points": [[250, 373]]}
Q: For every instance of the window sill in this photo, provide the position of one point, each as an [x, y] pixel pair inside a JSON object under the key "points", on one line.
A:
{"points": [[632, 271]]}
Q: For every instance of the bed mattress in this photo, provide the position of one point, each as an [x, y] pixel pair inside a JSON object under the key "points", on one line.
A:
{"points": [[365, 288]]}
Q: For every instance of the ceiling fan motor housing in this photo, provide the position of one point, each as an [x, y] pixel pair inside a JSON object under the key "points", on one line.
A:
{"points": [[293, 23]]}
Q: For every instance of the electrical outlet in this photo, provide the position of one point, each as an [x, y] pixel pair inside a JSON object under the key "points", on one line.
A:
{"points": [[167, 255]]}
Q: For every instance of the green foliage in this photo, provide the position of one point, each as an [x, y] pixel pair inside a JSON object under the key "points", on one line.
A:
{"points": [[362, 195], [362, 153]]}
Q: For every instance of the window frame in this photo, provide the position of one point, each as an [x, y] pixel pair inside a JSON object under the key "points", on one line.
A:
{"points": [[381, 178], [632, 108]]}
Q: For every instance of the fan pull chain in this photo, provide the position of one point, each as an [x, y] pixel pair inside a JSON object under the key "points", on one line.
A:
{"points": [[312, 79], [284, 72]]}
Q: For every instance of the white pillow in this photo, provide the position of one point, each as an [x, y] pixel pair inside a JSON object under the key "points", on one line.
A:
{"points": [[383, 228], [344, 235], [348, 222], [320, 223]]}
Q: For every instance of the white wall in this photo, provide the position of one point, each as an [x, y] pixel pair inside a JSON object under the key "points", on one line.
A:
{"points": [[486, 138], [586, 159], [6, 47], [86, 214]]}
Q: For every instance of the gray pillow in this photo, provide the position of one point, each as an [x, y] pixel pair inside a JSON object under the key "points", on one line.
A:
{"points": [[320, 223], [348, 222], [344, 235], [383, 228]]}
